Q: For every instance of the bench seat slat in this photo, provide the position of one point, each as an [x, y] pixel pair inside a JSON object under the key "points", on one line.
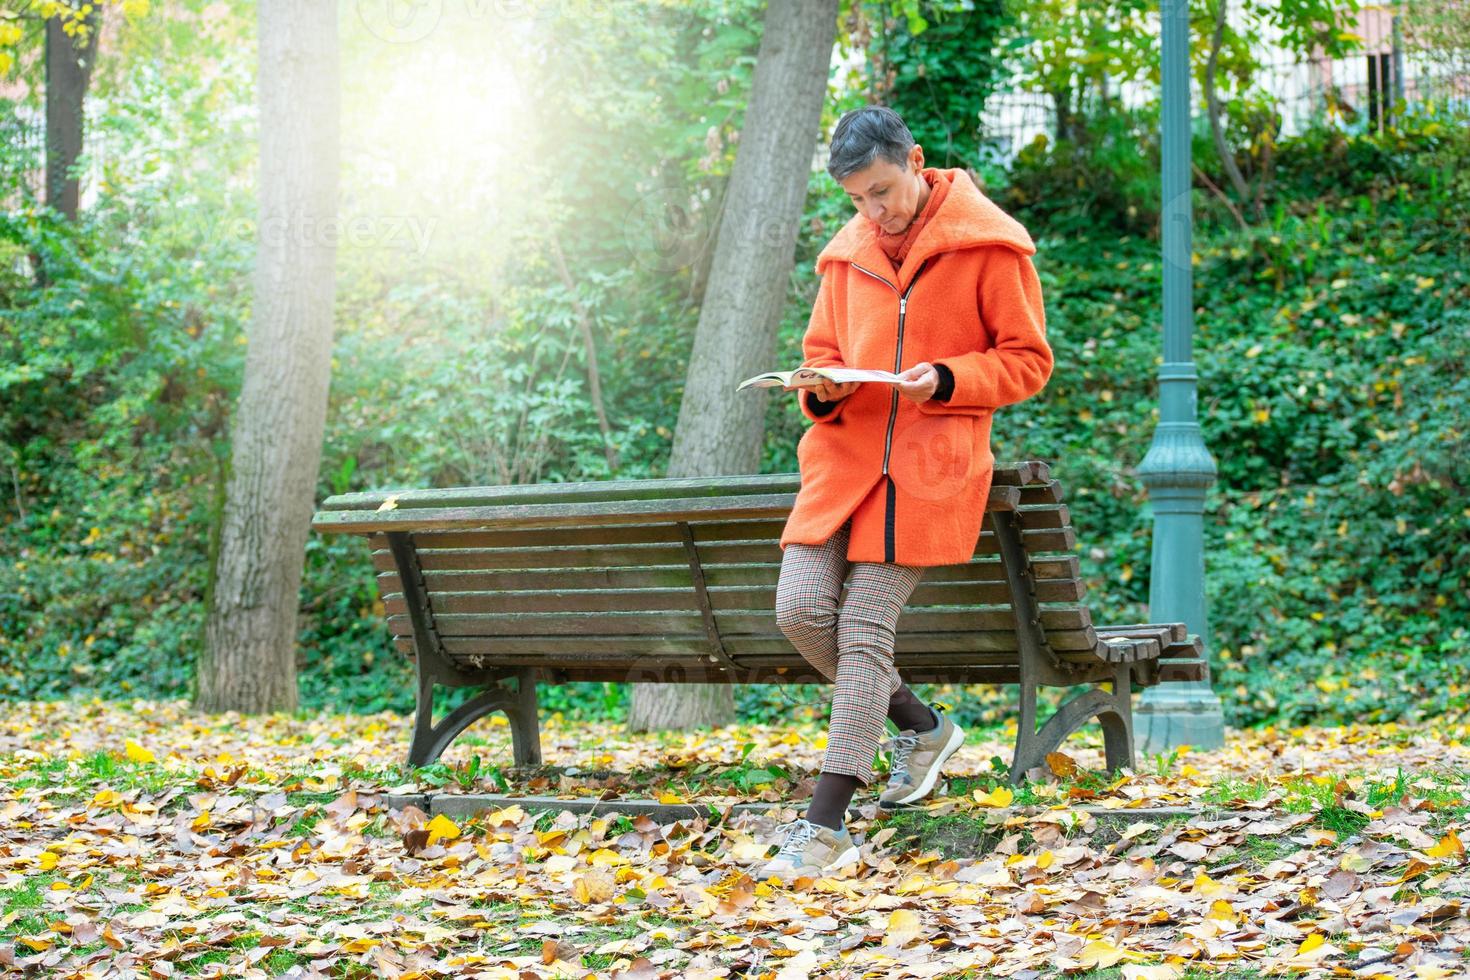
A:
{"points": [[547, 652], [519, 585], [955, 644], [462, 551], [1066, 627], [981, 568], [680, 596]]}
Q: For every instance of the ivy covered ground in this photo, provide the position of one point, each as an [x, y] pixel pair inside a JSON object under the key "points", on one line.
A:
{"points": [[139, 839]]}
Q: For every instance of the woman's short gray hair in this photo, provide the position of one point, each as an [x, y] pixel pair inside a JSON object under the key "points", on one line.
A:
{"points": [[863, 135]]}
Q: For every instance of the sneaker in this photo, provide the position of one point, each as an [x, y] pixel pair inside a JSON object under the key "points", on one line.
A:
{"points": [[810, 849], [917, 759]]}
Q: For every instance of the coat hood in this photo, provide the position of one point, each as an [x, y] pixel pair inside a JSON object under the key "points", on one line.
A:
{"points": [[966, 218]]}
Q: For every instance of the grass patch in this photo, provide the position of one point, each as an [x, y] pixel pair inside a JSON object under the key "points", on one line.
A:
{"points": [[1255, 852], [24, 903], [952, 835], [1232, 790]]}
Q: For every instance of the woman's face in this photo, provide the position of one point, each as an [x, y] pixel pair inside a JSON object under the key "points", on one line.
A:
{"points": [[887, 194]]}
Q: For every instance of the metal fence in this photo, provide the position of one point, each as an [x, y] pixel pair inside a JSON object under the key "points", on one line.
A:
{"points": [[23, 141], [1357, 93]]}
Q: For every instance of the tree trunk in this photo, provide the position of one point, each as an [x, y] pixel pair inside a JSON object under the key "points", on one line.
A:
{"points": [[249, 660], [1061, 100], [69, 62], [719, 431]]}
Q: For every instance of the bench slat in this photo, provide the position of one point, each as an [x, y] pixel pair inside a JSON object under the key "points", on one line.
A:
{"points": [[1183, 670], [1065, 627], [460, 552], [791, 674], [982, 568], [489, 599], [705, 532], [1018, 473], [543, 651]]}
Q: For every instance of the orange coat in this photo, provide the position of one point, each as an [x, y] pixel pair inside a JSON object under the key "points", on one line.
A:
{"points": [[915, 477]]}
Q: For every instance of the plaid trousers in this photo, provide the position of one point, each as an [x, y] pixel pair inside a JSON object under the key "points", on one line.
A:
{"points": [[851, 646]]}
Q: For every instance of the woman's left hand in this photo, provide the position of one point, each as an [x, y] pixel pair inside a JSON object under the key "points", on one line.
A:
{"points": [[920, 382]]}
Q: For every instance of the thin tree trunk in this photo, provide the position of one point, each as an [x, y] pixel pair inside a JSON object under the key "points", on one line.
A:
{"points": [[720, 432], [1212, 107], [1061, 100], [69, 62], [249, 660], [1224, 198], [699, 272]]}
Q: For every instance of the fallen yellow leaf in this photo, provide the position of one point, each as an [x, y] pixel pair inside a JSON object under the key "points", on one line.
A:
{"points": [[903, 928], [1220, 909], [1449, 846], [1310, 943], [442, 828], [136, 753], [1099, 955], [998, 797], [592, 889]]}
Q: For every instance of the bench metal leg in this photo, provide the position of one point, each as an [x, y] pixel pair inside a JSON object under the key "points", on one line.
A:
{"points": [[1039, 665], [430, 740], [1113, 710], [433, 666], [1117, 721], [525, 722]]}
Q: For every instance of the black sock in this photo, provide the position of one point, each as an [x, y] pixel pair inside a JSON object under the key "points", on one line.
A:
{"points": [[907, 711], [830, 799]]}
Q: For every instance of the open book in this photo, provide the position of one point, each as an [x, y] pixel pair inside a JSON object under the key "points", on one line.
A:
{"points": [[808, 377]]}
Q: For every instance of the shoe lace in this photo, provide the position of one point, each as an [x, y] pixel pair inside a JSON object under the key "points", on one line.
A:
{"points": [[795, 846], [900, 746]]}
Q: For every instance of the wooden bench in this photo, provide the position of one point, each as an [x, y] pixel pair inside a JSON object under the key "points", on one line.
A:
{"points": [[673, 581]]}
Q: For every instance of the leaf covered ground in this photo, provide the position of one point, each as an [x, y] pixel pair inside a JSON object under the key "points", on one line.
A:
{"points": [[139, 839]]}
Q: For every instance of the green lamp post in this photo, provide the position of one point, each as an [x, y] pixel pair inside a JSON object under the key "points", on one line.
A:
{"points": [[1178, 467]]}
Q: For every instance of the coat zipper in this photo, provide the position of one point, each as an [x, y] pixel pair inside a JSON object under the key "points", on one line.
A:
{"points": [[903, 303]]}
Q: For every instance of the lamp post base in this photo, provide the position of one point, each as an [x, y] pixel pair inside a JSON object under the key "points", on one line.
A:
{"points": [[1174, 714]]}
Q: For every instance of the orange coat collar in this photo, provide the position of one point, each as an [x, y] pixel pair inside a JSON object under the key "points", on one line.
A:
{"points": [[966, 218]]}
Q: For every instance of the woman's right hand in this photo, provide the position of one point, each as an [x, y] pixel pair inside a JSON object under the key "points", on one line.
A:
{"points": [[829, 391]]}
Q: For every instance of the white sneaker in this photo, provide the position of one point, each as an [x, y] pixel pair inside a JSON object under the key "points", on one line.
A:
{"points": [[810, 849]]}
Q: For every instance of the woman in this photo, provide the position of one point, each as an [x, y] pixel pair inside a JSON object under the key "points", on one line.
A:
{"points": [[931, 280]]}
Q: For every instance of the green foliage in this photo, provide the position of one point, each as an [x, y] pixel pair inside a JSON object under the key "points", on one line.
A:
{"points": [[936, 65], [1105, 174], [1332, 349]]}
